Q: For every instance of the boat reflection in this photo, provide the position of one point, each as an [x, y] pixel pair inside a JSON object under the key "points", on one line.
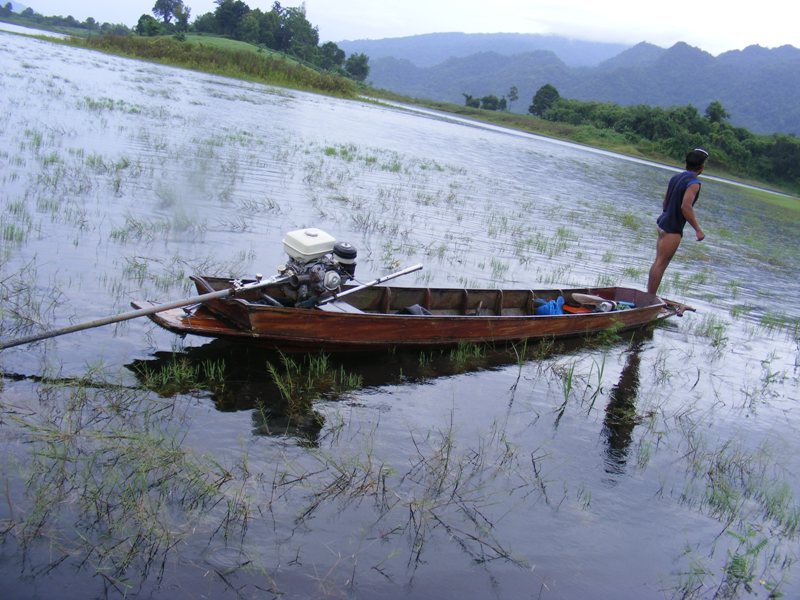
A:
{"points": [[281, 389]]}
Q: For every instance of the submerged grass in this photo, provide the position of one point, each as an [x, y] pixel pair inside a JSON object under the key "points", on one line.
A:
{"points": [[116, 458], [713, 328], [743, 489], [124, 453], [111, 465], [25, 307], [466, 355], [445, 490], [179, 376], [301, 382]]}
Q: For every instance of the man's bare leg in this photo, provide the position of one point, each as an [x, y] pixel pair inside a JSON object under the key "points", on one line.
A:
{"points": [[666, 246]]}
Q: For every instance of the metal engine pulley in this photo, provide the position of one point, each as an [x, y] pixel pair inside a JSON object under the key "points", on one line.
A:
{"points": [[315, 279]]}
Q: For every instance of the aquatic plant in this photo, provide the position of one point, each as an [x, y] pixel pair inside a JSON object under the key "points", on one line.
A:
{"points": [[740, 310], [24, 307], [466, 354], [179, 376], [598, 370], [444, 488], [741, 489], [114, 455], [605, 280], [566, 375], [301, 382], [630, 221], [634, 273]]}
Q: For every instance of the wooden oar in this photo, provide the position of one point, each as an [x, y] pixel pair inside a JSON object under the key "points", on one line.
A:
{"points": [[142, 312]]}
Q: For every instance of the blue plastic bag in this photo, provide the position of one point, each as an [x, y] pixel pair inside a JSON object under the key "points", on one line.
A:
{"points": [[551, 307]]}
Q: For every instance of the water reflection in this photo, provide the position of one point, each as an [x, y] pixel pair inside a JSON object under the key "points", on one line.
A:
{"points": [[621, 418], [237, 377], [280, 390]]}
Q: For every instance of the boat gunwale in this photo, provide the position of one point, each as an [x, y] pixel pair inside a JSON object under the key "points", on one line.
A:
{"points": [[306, 338], [656, 300]]}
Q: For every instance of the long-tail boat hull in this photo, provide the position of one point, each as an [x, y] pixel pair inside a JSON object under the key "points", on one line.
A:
{"points": [[378, 317]]}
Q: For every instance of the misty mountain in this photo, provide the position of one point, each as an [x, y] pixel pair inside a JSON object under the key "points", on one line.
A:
{"points": [[477, 75], [759, 87], [434, 48]]}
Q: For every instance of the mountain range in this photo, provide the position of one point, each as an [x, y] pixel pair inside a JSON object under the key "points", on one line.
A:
{"points": [[758, 87], [431, 49]]}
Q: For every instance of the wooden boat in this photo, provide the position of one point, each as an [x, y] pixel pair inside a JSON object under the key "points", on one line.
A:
{"points": [[378, 317]]}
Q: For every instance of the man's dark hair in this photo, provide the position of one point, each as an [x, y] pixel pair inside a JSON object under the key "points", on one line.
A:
{"points": [[696, 159]]}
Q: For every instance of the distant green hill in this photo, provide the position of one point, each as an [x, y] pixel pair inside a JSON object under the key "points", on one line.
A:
{"points": [[757, 86]]}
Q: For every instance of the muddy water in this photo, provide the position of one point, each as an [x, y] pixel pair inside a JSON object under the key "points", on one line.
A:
{"points": [[662, 466]]}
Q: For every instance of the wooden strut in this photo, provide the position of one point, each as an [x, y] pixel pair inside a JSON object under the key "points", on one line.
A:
{"points": [[677, 307], [142, 312], [369, 284]]}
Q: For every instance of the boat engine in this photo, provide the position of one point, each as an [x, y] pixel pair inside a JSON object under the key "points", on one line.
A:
{"points": [[318, 265]]}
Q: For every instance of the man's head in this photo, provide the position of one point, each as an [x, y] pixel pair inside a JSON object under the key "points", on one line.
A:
{"points": [[696, 159]]}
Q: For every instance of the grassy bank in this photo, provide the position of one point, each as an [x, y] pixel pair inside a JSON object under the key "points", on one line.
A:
{"points": [[228, 45], [588, 136], [223, 57]]}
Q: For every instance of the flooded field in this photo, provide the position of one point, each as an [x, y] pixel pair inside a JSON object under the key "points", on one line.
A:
{"points": [[135, 462]]}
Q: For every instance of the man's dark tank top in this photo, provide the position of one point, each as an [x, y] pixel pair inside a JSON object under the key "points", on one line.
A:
{"points": [[672, 219]]}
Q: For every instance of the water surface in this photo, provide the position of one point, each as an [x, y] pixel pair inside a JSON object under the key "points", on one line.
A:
{"points": [[660, 466]]}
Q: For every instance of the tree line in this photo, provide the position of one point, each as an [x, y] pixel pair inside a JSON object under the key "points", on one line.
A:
{"points": [[90, 25], [492, 102], [282, 29], [672, 131]]}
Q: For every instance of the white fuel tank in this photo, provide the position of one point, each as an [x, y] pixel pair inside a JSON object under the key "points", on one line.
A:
{"points": [[304, 245]]}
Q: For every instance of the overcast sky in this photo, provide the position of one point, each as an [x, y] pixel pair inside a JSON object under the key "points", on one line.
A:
{"points": [[712, 25]]}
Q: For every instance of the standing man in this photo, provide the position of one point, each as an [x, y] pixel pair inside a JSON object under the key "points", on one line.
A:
{"points": [[677, 209]]}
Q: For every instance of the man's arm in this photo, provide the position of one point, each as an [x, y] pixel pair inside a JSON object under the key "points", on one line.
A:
{"points": [[688, 210]]}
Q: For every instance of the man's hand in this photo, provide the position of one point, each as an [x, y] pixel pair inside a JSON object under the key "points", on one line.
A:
{"points": [[699, 235]]}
